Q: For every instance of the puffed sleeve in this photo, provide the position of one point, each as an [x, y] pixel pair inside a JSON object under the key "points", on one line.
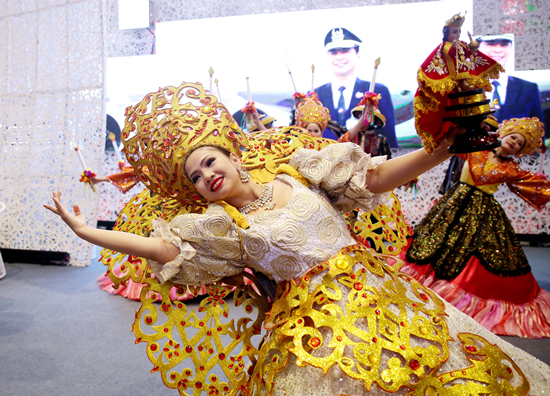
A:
{"points": [[533, 189], [340, 170], [209, 247]]}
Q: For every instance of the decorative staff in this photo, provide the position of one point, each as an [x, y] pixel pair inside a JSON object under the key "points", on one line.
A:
{"points": [[249, 108], [120, 161], [371, 99], [211, 71], [291, 79], [87, 174], [312, 77]]}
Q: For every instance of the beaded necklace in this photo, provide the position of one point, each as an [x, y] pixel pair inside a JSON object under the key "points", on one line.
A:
{"points": [[265, 201]]}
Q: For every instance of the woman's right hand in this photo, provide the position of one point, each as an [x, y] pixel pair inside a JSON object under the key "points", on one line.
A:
{"points": [[75, 221]]}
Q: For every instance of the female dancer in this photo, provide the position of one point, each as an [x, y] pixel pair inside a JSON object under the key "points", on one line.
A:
{"points": [[343, 321], [466, 250]]}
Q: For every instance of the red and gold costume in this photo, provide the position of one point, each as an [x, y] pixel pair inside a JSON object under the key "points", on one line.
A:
{"points": [[442, 73], [466, 250]]}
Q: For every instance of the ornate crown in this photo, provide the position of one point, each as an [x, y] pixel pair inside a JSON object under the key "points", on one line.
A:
{"points": [[532, 130], [166, 126], [456, 21], [312, 110]]}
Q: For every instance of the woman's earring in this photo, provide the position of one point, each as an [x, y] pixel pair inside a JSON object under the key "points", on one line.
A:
{"points": [[245, 177]]}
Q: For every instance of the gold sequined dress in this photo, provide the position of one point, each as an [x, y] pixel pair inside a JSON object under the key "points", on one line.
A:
{"points": [[466, 250], [343, 322]]}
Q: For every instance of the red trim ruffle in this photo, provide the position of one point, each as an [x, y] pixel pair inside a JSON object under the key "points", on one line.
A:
{"points": [[132, 290], [511, 306]]}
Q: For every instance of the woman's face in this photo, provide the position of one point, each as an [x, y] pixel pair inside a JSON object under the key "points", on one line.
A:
{"points": [[454, 34], [214, 173], [513, 143], [314, 129]]}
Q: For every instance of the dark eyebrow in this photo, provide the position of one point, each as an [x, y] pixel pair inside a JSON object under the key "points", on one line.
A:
{"points": [[201, 164]]}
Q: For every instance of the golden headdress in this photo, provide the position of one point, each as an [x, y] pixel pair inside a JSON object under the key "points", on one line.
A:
{"points": [[455, 21], [312, 110], [166, 126], [532, 130]]}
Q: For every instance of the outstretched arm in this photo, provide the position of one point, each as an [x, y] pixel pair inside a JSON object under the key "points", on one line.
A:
{"points": [[398, 171], [155, 249]]}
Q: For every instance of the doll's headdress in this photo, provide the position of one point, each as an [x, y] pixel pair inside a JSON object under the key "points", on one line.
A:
{"points": [[532, 130], [312, 110], [455, 21], [166, 126], [358, 110]]}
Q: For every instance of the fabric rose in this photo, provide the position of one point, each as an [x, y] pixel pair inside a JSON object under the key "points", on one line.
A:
{"points": [[289, 236], [328, 230], [286, 267], [217, 225], [255, 245], [302, 206]]}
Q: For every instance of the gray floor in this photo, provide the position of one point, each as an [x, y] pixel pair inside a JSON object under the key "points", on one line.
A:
{"points": [[61, 335]]}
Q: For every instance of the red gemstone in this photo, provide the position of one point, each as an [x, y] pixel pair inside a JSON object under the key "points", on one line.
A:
{"points": [[377, 312], [198, 385], [357, 286], [200, 348], [188, 349], [148, 320], [414, 364], [339, 338], [154, 347], [315, 342], [509, 369], [471, 348], [403, 346], [374, 339], [221, 356], [423, 297]]}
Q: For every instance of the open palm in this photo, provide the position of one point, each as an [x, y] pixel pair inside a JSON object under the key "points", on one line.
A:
{"points": [[74, 221]]}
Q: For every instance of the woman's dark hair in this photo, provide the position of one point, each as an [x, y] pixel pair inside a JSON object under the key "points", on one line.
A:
{"points": [[446, 30]]}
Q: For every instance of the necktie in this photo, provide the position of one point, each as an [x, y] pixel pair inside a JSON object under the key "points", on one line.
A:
{"points": [[341, 106], [496, 95]]}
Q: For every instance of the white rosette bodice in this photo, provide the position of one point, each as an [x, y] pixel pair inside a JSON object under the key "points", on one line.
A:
{"points": [[283, 243]]}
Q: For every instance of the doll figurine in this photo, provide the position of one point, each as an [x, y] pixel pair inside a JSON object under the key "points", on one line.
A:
{"points": [[451, 82]]}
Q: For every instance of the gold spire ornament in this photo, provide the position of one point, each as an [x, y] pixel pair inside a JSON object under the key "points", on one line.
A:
{"points": [[456, 21]]}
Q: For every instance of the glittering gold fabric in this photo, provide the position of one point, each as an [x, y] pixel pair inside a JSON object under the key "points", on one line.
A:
{"points": [[465, 222], [394, 336]]}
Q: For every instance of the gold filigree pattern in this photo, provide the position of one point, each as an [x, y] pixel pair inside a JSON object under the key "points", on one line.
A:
{"points": [[166, 329], [385, 227], [375, 324]]}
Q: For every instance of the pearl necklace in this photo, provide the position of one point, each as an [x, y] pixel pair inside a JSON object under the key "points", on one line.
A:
{"points": [[263, 202]]}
